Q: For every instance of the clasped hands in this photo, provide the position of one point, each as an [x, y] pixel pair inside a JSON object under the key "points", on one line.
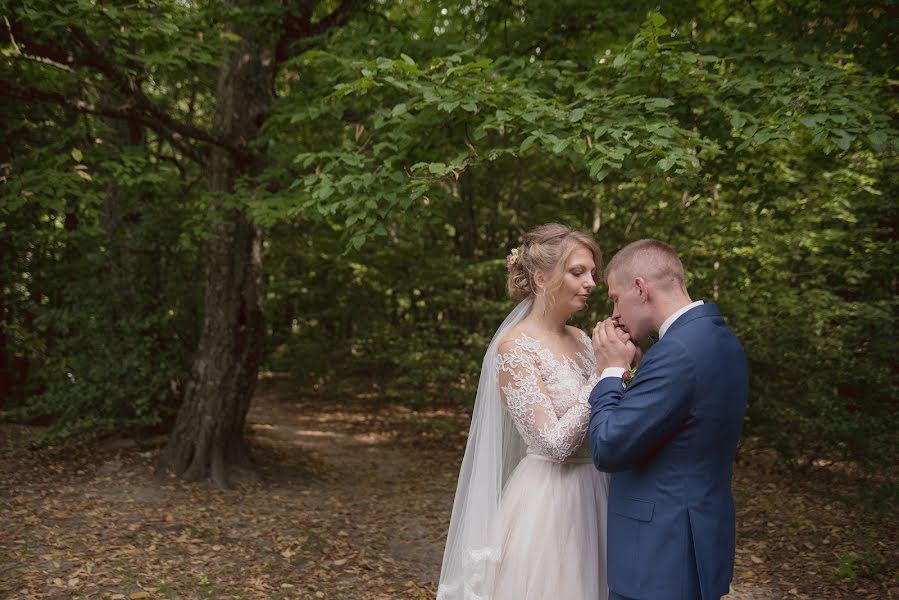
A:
{"points": [[613, 347]]}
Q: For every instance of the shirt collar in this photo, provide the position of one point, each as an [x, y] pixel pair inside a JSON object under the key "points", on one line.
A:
{"points": [[674, 317]]}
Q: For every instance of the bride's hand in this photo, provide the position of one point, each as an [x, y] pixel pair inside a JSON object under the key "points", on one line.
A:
{"points": [[626, 337], [638, 352], [611, 346], [638, 356], [622, 334]]}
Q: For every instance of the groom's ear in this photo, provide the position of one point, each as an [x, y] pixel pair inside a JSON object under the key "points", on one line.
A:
{"points": [[642, 288]]}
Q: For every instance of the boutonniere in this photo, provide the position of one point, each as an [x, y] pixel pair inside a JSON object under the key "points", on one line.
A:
{"points": [[629, 375]]}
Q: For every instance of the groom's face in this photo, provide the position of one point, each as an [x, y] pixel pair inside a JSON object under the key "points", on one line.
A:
{"points": [[628, 306]]}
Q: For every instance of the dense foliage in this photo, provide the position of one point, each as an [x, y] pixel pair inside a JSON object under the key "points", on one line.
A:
{"points": [[406, 150]]}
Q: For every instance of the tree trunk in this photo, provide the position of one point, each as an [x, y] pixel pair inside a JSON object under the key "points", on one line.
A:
{"points": [[5, 371], [208, 438]]}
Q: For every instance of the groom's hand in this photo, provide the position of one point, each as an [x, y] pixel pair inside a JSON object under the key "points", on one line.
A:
{"points": [[612, 346]]}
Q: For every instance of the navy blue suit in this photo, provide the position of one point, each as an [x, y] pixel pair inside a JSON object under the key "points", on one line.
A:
{"points": [[669, 441]]}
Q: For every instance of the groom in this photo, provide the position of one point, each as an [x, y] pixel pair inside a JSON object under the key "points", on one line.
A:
{"points": [[670, 436]]}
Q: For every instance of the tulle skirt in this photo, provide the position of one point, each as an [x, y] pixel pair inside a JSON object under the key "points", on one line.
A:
{"points": [[551, 533]]}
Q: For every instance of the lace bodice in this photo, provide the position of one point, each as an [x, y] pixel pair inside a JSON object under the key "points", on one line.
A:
{"points": [[546, 397]]}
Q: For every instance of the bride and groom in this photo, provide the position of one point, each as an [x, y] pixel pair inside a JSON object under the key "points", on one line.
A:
{"points": [[574, 485]]}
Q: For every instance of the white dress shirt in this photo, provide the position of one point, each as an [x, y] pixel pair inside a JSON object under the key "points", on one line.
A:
{"points": [[676, 314], [618, 371]]}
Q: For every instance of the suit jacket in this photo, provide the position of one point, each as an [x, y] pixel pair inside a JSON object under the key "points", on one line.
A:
{"points": [[669, 441]]}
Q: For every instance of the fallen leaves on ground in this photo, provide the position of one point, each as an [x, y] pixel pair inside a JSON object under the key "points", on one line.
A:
{"points": [[354, 502]]}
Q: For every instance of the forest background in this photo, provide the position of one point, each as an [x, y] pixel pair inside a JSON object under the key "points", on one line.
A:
{"points": [[196, 192]]}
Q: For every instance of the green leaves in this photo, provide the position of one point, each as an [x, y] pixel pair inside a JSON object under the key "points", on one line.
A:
{"points": [[667, 162], [878, 140], [558, 144], [752, 141], [528, 142], [230, 36], [494, 110]]}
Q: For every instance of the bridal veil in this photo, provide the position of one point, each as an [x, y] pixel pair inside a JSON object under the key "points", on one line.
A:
{"points": [[493, 451]]}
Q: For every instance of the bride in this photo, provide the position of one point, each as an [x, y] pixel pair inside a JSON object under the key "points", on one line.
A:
{"points": [[529, 517]]}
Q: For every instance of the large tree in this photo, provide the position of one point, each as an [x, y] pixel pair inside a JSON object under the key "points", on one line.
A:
{"points": [[56, 57]]}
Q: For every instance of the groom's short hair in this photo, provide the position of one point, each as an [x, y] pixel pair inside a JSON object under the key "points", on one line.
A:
{"points": [[652, 260]]}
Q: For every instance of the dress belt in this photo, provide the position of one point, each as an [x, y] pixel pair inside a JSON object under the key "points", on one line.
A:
{"points": [[571, 460]]}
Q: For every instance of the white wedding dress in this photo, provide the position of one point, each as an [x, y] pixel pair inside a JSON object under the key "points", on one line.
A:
{"points": [[546, 540], [529, 514], [550, 536]]}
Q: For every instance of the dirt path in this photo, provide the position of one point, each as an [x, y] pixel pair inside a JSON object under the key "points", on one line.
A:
{"points": [[353, 503], [350, 506]]}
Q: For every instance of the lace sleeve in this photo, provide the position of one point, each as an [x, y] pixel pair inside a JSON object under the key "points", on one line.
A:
{"points": [[527, 399]]}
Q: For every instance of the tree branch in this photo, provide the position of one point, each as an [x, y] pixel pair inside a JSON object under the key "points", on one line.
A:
{"points": [[40, 59], [301, 27], [127, 86], [125, 112], [44, 61], [135, 105]]}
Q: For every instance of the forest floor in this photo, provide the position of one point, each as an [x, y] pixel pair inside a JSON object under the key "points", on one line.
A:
{"points": [[353, 502]]}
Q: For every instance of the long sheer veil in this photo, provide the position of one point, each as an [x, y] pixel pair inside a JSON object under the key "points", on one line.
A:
{"points": [[493, 450]]}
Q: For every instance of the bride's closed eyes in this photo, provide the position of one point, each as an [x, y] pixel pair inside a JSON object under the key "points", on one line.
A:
{"points": [[578, 270]]}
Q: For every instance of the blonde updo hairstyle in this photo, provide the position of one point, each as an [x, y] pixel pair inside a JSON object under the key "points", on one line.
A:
{"points": [[546, 249]]}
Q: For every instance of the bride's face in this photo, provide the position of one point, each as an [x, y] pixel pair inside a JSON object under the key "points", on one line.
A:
{"points": [[578, 280]]}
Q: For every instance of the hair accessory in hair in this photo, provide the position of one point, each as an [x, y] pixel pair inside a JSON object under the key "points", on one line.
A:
{"points": [[512, 259]]}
